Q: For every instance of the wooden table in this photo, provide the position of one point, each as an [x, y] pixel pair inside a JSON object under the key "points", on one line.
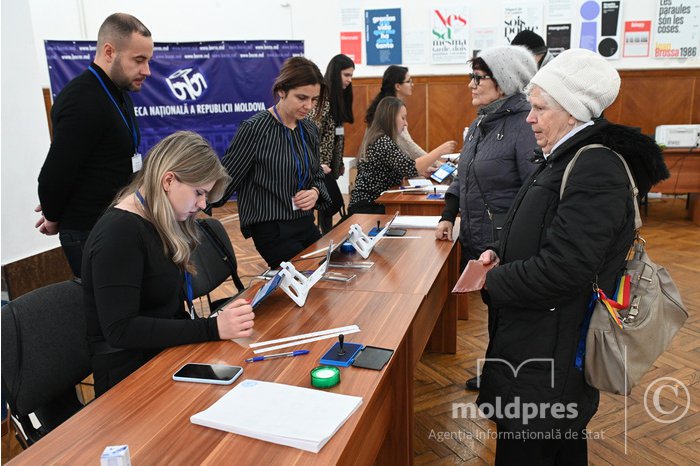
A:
{"points": [[411, 204], [684, 165], [421, 266], [150, 412]]}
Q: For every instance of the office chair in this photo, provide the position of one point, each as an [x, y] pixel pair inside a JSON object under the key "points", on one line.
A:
{"points": [[214, 260], [45, 355]]}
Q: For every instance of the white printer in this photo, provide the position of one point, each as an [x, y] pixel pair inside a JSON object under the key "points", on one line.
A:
{"points": [[678, 135]]}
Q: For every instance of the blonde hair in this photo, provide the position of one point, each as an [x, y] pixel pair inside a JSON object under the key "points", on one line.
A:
{"points": [[383, 123], [194, 162]]}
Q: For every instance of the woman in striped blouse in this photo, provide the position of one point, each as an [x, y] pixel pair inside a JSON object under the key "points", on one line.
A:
{"points": [[274, 165]]}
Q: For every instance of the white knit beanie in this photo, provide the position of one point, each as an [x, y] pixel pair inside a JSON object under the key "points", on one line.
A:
{"points": [[512, 66], [581, 81]]}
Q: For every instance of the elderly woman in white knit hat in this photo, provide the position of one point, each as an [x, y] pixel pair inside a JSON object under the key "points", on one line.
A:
{"points": [[497, 156], [552, 250]]}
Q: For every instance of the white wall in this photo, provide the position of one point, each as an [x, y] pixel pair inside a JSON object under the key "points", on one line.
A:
{"points": [[26, 24], [25, 135]]}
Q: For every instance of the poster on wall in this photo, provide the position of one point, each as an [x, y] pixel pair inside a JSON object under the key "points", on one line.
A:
{"points": [[383, 36], [636, 39], [207, 87], [449, 34], [559, 10], [415, 47], [609, 44], [351, 45], [484, 38], [558, 38], [590, 17], [677, 32], [517, 18]]}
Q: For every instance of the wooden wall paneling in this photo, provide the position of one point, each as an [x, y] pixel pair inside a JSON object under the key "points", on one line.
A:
{"points": [[416, 106], [47, 105], [33, 272], [449, 112], [695, 100], [355, 131], [647, 103]]}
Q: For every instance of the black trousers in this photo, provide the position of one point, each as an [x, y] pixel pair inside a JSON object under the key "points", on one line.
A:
{"points": [[570, 450], [280, 241], [73, 242]]}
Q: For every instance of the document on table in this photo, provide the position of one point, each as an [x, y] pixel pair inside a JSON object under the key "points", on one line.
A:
{"points": [[416, 221], [298, 417]]}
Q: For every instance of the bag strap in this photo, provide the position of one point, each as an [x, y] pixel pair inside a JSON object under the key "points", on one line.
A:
{"points": [[633, 185], [211, 234]]}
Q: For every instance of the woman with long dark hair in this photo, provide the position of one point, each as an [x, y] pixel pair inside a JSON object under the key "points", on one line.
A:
{"points": [[336, 112]]}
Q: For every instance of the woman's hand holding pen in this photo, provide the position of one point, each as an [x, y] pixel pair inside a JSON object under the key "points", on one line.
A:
{"points": [[306, 198], [236, 320]]}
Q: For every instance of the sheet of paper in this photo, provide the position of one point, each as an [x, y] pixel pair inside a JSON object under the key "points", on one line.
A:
{"points": [[416, 221], [298, 417], [474, 277]]}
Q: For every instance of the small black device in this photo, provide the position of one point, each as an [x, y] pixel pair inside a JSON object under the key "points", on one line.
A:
{"points": [[220, 374], [372, 357]]}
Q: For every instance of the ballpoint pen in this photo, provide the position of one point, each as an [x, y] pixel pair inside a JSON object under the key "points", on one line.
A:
{"points": [[280, 355]]}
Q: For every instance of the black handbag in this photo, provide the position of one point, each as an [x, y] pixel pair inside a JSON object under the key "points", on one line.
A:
{"points": [[337, 203]]}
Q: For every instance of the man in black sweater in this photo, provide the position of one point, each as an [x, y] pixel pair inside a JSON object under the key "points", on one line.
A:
{"points": [[95, 147]]}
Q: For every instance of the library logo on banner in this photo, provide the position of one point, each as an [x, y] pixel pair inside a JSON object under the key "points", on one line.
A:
{"points": [[187, 84]]}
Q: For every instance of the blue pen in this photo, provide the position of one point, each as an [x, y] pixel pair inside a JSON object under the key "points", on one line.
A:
{"points": [[281, 355]]}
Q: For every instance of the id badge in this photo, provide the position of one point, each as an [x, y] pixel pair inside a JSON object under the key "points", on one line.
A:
{"points": [[136, 162], [340, 131]]}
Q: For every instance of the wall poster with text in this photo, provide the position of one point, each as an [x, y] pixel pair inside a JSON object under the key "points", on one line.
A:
{"points": [[677, 29], [449, 34], [383, 36]]}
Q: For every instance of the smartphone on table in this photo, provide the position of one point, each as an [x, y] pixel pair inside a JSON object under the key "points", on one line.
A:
{"points": [[220, 374]]}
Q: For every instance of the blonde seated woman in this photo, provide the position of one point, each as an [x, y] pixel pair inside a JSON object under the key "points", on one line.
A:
{"points": [[137, 256], [382, 164]]}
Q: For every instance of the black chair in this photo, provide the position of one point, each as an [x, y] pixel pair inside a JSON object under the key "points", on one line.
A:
{"points": [[214, 260], [45, 355]]}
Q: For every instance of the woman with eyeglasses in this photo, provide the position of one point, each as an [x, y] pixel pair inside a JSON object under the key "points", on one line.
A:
{"points": [[397, 82], [497, 157]]}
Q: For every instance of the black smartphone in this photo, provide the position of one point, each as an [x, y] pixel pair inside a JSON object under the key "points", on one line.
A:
{"points": [[220, 374]]}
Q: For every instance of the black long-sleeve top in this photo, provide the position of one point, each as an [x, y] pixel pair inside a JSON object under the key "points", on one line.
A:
{"points": [[265, 171], [134, 291], [89, 160]]}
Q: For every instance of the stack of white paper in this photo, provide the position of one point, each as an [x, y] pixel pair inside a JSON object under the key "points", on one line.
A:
{"points": [[294, 416], [416, 221]]}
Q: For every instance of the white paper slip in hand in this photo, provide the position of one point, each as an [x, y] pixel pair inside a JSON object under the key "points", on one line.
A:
{"points": [[298, 417]]}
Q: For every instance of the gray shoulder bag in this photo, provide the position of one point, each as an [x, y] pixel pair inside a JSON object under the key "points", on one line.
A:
{"points": [[617, 358]]}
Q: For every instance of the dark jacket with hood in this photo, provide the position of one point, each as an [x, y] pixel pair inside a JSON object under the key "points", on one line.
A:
{"points": [[496, 160], [551, 252]]}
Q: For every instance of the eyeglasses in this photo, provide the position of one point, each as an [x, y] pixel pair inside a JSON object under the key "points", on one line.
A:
{"points": [[410, 81], [478, 77]]}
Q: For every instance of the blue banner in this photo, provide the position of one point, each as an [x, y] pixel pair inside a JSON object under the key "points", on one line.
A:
{"points": [[383, 36], [207, 87]]}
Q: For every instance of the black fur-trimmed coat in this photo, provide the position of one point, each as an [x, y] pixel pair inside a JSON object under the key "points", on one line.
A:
{"points": [[550, 253]]}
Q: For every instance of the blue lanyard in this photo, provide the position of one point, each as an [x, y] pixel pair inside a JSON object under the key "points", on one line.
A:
{"points": [[131, 128], [301, 182], [189, 294]]}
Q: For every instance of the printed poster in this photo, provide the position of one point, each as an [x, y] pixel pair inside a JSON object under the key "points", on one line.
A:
{"points": [[521, 17], [677, 27], [558, 38], [383, 36], [351, 45], [600, 27], [636, 39], [484, 38], [449, 35]]}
